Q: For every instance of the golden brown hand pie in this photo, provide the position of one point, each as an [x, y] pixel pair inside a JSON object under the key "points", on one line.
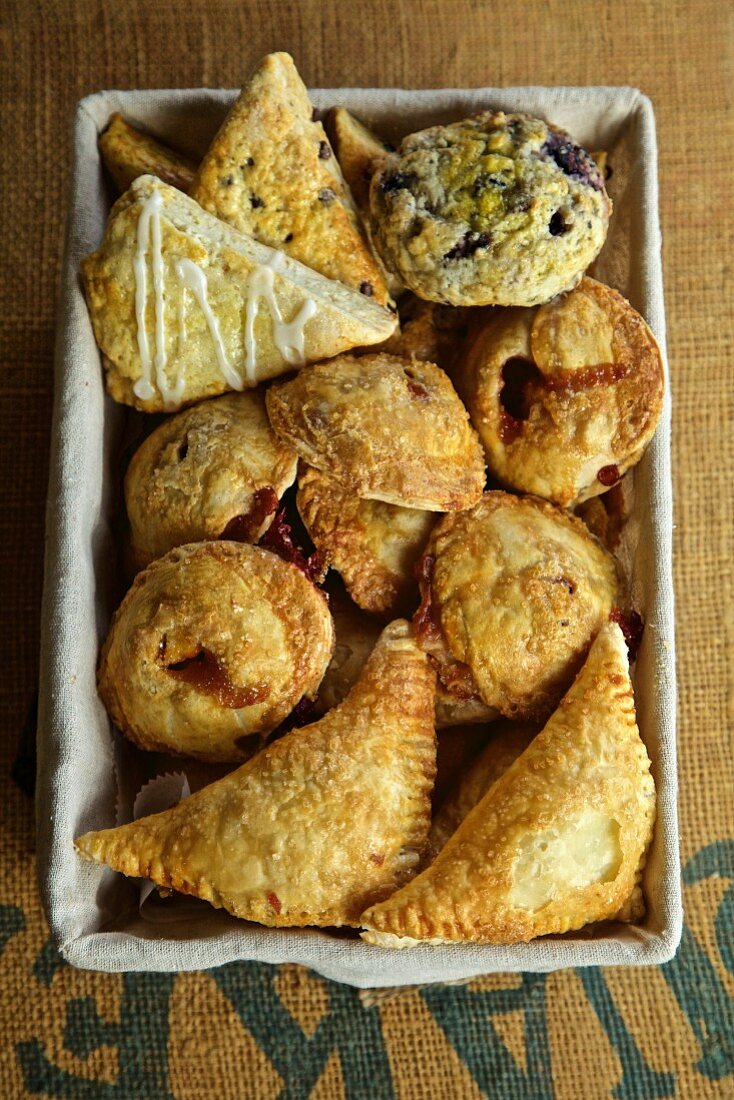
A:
{"points": [[504, 741], [356, 634], [185, 307], [560, 838], [212, 647], [373, 545], [565, 397], [387, 428], [216, 470], [327, 820], [356, 637], [457, 748], [433, 332], [514, 591], [129, 153], [606, 515], [270, 172]]}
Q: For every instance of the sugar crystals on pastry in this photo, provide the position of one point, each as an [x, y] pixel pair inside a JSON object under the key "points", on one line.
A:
{"points": [[558, 841], [373, 545], [270, 172], [504, 741], [327, 820], [213, 471], [565, 397], [212, 647], [514, 591], [387, 428], [497, 209], [184, 306]]}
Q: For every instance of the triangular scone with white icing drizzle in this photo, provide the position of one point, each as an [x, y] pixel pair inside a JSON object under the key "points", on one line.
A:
{"points": [[560, 838], [271, 172], [322, 823], [186, 307]]}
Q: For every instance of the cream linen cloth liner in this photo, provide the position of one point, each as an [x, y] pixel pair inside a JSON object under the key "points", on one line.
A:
{"points": [[93, 912]]}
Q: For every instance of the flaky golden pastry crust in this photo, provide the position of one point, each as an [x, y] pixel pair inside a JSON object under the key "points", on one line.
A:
{"points": [[506, 741], [560, 838], [212, 648], [565, 397], [387, 428], [457, 748], [341, 319], [214, 467], [373, 545], [433, 332], [516, 591], [327, 820], [270, 172]]}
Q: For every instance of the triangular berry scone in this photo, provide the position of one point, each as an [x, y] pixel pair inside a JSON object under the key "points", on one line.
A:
{"points": [[557, 842], [270, 171], [321, 824], [184, 307]]}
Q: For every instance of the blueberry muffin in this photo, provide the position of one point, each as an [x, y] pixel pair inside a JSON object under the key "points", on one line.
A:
{"points": [[498, 209]]}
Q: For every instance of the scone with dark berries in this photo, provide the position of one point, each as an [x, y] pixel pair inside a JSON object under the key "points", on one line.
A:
{"points": [[497, 209]]}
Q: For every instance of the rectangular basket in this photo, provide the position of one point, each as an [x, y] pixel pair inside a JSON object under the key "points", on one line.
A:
{"points": [[92, 912]]}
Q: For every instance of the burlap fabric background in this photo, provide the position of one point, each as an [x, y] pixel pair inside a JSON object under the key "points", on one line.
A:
{"points": [[256, 1031]]}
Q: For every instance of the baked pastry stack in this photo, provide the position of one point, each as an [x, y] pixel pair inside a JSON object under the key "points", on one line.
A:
{"points": [[332, 566]]}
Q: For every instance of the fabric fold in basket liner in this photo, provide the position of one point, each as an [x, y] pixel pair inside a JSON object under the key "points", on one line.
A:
{"points": [[88, 778]]}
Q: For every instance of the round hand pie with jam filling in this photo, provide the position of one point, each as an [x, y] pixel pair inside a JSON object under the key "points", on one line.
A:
{"points": [[515, 590], [498, 209], [214, 471], [386, 428], [373, 545], [565, 397], [212, 647]]}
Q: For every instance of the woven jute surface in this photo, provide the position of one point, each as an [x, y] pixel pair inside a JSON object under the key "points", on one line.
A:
{"points": [[254, 1031]]}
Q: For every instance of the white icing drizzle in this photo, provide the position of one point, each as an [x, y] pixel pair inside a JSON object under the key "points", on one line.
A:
{"points": [[289, 337], [191, 276], [149, 235]]}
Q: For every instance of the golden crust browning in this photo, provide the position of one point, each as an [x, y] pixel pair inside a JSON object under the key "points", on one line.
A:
{"points": [[507, 741], [212, 647], [227, 259], [388, 429], [270, 172], [322, 823], [567, 396], [518, 589], [373, 545], [128, 153], [359, 153], [216, 462], [558, 841]]}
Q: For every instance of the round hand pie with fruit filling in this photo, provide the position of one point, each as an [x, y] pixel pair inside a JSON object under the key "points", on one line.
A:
{"points": [[212, 647], [373, 545], [386, 428], [516, 591], [214, 471], [498, 209], [565, 397]]}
